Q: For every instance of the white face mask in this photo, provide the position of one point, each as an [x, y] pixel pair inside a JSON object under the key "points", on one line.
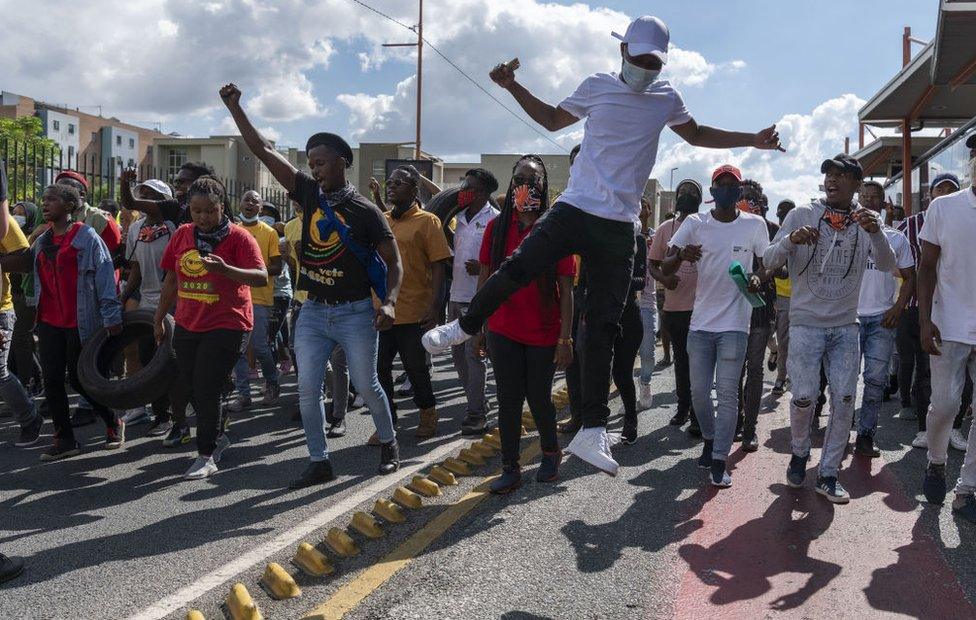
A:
{"points": [[21, 220], [637, 78], [249, 220]]}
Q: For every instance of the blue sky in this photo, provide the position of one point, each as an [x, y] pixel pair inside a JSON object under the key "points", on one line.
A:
{"points": [[312, 65]]}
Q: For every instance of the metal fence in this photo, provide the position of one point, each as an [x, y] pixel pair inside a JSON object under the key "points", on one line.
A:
{"points": [[30, 169]]}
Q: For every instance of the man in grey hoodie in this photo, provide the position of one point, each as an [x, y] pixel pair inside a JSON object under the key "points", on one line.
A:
{"points": [[826, 245]]}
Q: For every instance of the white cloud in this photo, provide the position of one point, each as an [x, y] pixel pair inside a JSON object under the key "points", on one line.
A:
{"points": [[690, 68]]}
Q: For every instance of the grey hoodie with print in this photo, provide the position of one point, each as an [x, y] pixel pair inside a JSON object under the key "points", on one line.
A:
{"points": [[826, 277]]}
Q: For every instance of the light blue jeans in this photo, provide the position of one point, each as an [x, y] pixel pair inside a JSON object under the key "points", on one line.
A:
{"points": [[262, 353], [838, 350], [319, 329], [716, 358], [649, 320], [877, 343]]}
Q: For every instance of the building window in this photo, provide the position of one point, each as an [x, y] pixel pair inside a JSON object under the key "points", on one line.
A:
{"points": [[94, 136], [132, 143], [118, 140], [71, 129], [56, 125], [71, 154], [177, 157]]}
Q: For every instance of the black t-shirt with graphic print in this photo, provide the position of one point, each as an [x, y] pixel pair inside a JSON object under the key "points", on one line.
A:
{"points": [[327, 269]]}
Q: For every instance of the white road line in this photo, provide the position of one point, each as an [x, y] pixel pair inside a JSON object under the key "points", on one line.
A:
{"points": [[213, 579]]}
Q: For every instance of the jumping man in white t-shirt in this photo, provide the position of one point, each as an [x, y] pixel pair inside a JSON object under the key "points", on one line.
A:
{"points": [[595, 217]]}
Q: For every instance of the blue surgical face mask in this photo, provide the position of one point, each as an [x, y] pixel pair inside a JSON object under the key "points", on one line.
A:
{"points": [[21, 220], [637, 78], [725, 196], [248, 220], [267, 219]]}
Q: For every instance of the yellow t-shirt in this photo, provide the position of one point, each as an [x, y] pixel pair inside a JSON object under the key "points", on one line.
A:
{"points": [[13, 241], [267, 239], [421, 242], [783, 287], [293, 235]]}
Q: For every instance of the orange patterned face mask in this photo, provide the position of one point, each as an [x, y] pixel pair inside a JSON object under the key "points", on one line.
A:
{"points": [[748, 206], [838, 220], [527, 198]]}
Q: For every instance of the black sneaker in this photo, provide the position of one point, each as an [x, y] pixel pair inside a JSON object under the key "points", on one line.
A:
{"points": [[965, 507], [796, 473], [629, 434], [10, 568], [159, 428], [177, 436], [61, 450], [30, 434], [549, 467], [510, 480], [719, 476], [705, 460], [473, 425], [679, 419], [829, 487], [693, 429], [318, 472], [864, 446], [389, 457], [750, 443], [934, 484], [83, 416], [336, 428]]}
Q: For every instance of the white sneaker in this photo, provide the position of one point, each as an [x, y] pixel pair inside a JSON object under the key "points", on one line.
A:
{"points": [[957, 441], [445, 336], [921, 440], [645, 398], [201, 468], [593, 446], [134, 417]]}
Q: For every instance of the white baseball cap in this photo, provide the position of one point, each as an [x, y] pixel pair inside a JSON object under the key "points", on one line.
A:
{"points": [[158, 186], [646, 35]]}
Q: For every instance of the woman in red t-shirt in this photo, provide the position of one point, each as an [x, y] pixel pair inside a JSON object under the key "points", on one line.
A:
{"points": [[529, 335], [210, 266]]}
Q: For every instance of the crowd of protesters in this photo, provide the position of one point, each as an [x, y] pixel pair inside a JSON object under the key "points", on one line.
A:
{"points": [[531, 283]]}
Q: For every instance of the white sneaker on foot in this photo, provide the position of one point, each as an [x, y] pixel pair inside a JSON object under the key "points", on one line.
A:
{"points": [[593, 446], [445, 336], [201, 468], [921, 440], [645, 398], [957, 441]]}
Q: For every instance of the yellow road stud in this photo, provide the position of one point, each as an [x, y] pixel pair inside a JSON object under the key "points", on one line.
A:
{"points": [[278, 583], [312, 561], [471, 457], [240, 605], [494, 442], [441, 476], [341, 543], [389, 511], [424, 486], [407, 498], [366, 525], [456, 466], [194, 614], [483, 448]]}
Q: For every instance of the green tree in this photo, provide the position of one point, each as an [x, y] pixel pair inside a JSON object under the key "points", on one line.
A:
{"points": [[27, 152]]}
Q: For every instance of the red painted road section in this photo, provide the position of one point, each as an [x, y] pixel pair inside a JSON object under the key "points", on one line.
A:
{"points": [[768, 550]]}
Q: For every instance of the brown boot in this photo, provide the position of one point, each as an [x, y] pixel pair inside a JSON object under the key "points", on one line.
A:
{"points": [[374, 440], [428, 424]]}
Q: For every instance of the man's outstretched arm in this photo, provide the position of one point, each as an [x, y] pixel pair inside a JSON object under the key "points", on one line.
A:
{"points": [[280, 168], [710, 137], [551, 117]]}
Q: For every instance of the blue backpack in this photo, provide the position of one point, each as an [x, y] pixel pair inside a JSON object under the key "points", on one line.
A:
{"points": [[369, 258]]}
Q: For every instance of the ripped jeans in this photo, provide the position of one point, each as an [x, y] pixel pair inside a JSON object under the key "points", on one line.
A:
{"points": [[838, 349]]}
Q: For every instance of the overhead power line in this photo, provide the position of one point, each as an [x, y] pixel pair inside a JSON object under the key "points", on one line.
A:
{"points": [[462, 72]]}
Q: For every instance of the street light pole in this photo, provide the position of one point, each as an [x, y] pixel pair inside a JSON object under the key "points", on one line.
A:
{"points": [[671, 184]]}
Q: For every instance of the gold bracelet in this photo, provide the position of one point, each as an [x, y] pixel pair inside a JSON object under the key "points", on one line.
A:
{"points": [[565, 341]]}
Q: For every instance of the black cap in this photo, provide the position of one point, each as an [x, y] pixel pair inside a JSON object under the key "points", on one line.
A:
{"points": [[971, 141], [845, 162], [332, 141]]}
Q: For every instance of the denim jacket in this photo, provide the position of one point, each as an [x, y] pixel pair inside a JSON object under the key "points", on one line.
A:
{"points": [[98, 299]]}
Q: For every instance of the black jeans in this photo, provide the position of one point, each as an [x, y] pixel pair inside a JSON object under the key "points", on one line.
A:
{"points": [[677, 325], [175, 399], [523, 372], [405, 340], [573, 381], [607, 249], [59, 350], [625, 349], [205, 359], [750, 395], [278, 326]]}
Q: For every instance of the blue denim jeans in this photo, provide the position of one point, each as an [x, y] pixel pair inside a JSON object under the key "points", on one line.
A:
{"points": [[649, 319], [319, 329], [262, 353], [837, 349], [11, 389], [877, 343], [716, 358]]}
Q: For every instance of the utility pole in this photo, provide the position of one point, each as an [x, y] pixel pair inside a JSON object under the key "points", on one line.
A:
{"points": [[420, 71]]}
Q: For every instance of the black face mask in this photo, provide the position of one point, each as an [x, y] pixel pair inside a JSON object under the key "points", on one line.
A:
{"points": [[687, 203]]}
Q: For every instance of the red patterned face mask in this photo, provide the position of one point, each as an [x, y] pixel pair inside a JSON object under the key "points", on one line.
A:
{"points": [[838, 220], [465, 197]]}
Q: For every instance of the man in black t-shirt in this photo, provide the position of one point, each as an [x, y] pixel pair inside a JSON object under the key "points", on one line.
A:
{"points": [[339, 310]]}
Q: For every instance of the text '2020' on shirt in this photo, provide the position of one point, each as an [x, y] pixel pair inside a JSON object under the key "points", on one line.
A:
{"points": [[620, 139], [949, 224], [719, 305], [207, 301], [327, 269]]}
